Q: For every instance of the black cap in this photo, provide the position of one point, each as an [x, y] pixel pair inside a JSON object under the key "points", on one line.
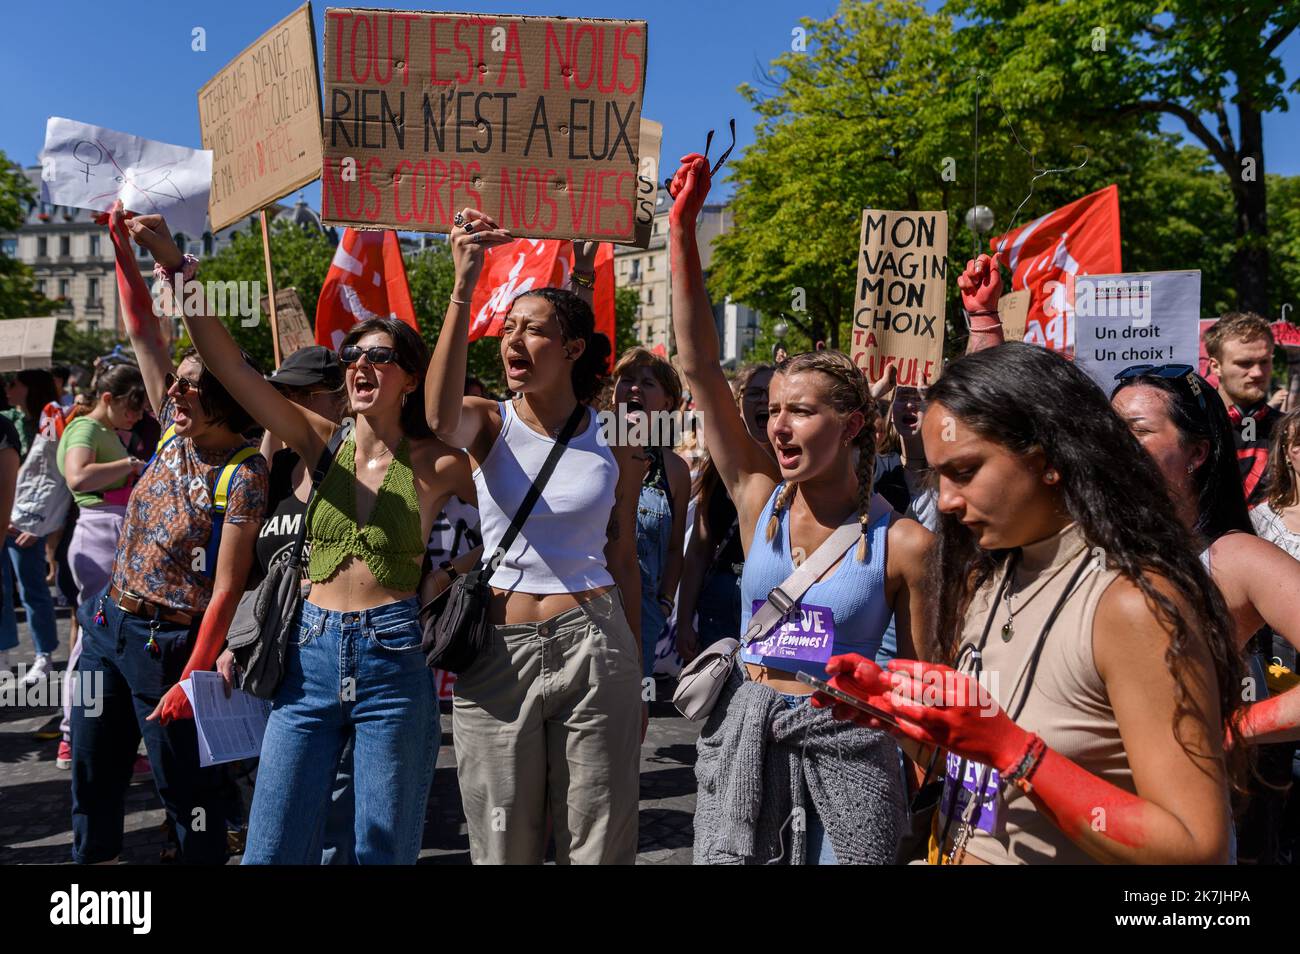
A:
{"points": [[313, 366]]}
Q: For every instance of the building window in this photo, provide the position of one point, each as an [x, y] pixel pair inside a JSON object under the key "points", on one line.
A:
{"points": [[636, 270], [65, 245], [93, 295], [656, 228], [40, 286], [42, 247], [650, 263], [622, 267], [650, 295], [94, 246], [207, 244], [92, 324], [9, 248]]}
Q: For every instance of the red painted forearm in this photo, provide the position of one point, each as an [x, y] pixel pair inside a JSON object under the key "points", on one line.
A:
{"points": [[137, 305], [212, 632], [1276, 719]]}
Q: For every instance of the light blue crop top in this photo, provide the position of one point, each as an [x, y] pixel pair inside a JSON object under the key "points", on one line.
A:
{"points": [[854, 591]]}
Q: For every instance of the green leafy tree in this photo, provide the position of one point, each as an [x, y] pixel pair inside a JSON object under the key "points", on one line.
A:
{"points": [[1207, 63], [79, 347], [880, 113], [300, 259], [18, 295]]}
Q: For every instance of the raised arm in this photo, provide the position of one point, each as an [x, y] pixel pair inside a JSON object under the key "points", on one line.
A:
{"points": [[458, 420], [142, 323], [738, 457], [303, 430], [981, 287]]}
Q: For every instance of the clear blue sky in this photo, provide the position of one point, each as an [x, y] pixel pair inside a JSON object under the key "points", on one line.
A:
{"points": [[129, 65]]}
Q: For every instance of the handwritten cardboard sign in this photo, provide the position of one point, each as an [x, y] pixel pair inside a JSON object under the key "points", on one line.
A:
{"points": [[534, 120], [1013, 312], [90, 167], [647, 181], [898, 315], [1136, 318], [291, 321], [26, 343], [260, 116]]}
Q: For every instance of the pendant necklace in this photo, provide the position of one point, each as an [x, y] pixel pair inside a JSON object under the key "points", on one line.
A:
{"points": [[1008, 630]]}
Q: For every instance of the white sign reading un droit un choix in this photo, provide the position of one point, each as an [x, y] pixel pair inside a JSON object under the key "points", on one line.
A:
{"points": [[1135, 318]]}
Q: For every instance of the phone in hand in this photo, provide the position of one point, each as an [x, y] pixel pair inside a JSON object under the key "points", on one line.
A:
{"points": [[821, 685]]}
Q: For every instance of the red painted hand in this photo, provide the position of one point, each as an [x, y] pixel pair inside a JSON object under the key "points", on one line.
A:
{"points": [[174, 705], [951, 710], [981, 285], [689, 188]]}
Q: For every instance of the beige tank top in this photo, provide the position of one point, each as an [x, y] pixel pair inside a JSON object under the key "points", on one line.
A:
{"points": [[1067, 704]]}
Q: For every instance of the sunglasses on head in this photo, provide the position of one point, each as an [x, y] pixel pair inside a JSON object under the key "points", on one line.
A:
{"points": [[183, 385], [1172, 372], [379, 354]]}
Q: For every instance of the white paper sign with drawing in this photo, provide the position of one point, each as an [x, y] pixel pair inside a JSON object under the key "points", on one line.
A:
{"points": [[90, 167]]}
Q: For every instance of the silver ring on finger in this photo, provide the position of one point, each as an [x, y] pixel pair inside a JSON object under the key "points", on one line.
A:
{"points": [[459, 220]]}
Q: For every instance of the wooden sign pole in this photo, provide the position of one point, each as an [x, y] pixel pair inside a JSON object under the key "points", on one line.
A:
{"points": [[270, 288]]}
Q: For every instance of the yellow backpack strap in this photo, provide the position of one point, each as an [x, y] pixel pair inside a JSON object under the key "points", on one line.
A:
{"points": [[221, 493], [166, 436]]}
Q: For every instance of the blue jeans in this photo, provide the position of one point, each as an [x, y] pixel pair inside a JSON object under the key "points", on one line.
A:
{"points": [[718, 608], [121, 683], [654, 527], [27, 565], [358, 675], [817, 843]]}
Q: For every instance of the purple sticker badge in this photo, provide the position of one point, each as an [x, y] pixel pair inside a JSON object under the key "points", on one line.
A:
{"points": [[809, 634], [986, 818]]}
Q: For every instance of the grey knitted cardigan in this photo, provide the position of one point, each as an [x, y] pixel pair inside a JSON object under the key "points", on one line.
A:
{"points": [[756, 756]]}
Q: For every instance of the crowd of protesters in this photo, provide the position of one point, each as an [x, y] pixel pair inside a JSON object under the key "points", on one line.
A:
{"points": [[1060, 624]]}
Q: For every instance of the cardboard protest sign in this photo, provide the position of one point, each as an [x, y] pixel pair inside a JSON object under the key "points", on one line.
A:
{"points": [[647, 181], [291, 322], [1013, 312], [534, 120], [26, 343], [90, 167], [260, 116], [1138, 318], [899, 299]]}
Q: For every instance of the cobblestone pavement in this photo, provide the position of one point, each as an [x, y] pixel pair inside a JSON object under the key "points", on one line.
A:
{"points": [[36, 797]]}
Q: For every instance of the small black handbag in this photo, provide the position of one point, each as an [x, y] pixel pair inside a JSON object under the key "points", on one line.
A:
{"points": [[454, 625], [267, 616]]}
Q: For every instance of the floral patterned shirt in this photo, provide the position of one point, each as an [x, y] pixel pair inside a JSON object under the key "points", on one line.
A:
{"points": [[162, 551]]}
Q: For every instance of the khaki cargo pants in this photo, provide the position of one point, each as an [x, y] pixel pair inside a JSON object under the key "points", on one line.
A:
{"points": [[549, 720]]}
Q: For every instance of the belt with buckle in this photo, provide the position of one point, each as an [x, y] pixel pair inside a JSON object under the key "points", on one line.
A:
{"points": [[137, 605]]}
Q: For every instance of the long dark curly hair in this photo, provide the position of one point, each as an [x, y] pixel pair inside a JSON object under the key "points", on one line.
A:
{"points": [[1030, 399]]}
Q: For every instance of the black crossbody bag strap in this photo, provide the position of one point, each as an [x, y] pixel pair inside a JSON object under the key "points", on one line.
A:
{"points": [[535, 491], [317, 475]]}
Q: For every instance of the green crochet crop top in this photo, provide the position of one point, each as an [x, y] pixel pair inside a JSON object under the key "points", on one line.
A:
{"points": [[390, 544]]}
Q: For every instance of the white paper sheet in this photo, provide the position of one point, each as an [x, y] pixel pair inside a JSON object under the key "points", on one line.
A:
{"points": [[228, 729], [90, 167]]}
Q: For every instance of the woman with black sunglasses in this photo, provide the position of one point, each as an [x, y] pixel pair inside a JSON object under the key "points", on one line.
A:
{"points": [[355, 670], [1181, 421]]}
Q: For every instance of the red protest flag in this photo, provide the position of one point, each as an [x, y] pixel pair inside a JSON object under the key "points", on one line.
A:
{"points": [[508, 271], [514, 268], [1047, 254], [367, 279]]}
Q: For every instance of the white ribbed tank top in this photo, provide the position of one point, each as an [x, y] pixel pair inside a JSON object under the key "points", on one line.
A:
{"points": [[561, 548]]}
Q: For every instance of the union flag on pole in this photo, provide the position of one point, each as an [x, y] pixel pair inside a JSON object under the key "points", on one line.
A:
{"points": [[367, 279], [1046, 255], [510, 270]]}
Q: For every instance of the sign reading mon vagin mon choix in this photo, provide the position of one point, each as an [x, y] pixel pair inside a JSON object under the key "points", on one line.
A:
{"points": [[534, 120], [898, 313]]}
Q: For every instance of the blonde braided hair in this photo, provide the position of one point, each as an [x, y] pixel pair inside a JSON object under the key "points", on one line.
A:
{"points": [[847, 391]]}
